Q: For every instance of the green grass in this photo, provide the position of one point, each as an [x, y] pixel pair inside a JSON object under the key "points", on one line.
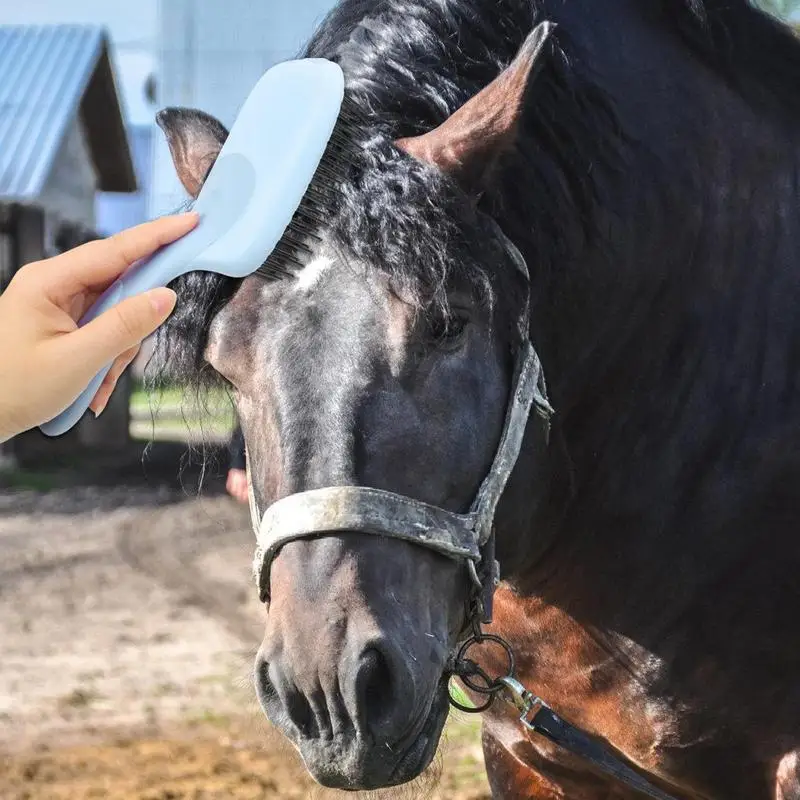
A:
{"points": [[459, 695], [142, 400], [463, 755], [31, 480], [173, 399], [174, 415]]}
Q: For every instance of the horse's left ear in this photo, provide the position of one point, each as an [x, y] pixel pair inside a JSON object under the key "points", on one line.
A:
{"points": [[468, 144]]}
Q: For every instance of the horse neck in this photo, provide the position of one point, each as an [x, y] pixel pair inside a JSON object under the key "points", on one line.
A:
{"points": [[669, 340]]}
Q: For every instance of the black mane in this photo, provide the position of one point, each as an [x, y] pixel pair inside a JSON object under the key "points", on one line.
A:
{"points": [[757, 53], [411, 63]]}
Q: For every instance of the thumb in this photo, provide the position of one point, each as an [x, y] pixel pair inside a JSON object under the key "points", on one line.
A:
{"points": [[122, 327]]}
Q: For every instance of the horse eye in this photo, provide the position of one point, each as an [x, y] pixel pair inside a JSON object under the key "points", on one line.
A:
{"points": [[447, 331]]}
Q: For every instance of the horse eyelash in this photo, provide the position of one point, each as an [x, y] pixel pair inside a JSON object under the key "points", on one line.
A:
{"points": [[448, 328]]}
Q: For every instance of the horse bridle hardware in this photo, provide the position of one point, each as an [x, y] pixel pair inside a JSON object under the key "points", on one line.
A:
{"points": [[536, 716], [465, 537]]}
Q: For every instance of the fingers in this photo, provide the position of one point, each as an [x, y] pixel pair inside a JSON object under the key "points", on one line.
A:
{"points": [[98, 263], [119, 329], [100, 400]]}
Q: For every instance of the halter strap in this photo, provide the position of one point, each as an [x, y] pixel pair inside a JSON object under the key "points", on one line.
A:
{"points": [[364, 510], [360, 509]]}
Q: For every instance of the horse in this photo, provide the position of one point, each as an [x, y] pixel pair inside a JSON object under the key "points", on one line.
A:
{"points": [[620, 187]]}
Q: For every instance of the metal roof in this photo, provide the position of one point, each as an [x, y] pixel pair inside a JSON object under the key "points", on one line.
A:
{"points": [[46, 73]]}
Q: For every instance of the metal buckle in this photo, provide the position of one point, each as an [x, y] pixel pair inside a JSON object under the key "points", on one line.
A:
{"points": [[485, 577], [527, 703]]}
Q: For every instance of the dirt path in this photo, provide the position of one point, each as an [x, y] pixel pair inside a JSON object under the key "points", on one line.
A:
{"points": [[129, 624]]}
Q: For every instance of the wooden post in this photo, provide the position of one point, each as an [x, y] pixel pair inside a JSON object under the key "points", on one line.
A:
{"points": [[8, 265]]}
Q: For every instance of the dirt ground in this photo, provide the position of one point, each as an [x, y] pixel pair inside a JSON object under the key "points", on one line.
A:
{"points": [[128, 625]]}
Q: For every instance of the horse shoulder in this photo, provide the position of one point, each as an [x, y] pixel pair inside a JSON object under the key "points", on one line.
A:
{"points": [[587, 684]]}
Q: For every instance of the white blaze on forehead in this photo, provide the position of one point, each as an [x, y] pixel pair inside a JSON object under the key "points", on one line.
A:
{"points": [[312, 272], [398, 325]]}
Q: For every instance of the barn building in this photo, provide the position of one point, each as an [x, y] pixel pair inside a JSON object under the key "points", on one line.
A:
{"points": [[62, 140]]}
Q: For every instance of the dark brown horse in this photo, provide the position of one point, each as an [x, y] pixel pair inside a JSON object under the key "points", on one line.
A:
{"points": [[645, 161]]}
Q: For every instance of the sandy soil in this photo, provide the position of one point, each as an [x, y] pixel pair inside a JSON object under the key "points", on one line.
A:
{"points": [[129, 624]]}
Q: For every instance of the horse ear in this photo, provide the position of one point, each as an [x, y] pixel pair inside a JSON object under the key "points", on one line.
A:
{"points": [[194, 140], [469, 143]]}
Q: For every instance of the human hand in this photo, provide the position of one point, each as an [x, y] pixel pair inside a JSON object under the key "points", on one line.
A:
{"points": [[237, 484], [46, 360]]}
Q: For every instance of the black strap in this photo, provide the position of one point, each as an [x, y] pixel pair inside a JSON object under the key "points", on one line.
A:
{"points": [[236, 449], [560, 732]]}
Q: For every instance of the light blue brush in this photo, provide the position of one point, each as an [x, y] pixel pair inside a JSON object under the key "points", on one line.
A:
{"points": [[273, 181]]}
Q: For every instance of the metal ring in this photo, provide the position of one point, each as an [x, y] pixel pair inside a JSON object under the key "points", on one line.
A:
{"points": [[466, 678], [480, 639], [466, 709]]}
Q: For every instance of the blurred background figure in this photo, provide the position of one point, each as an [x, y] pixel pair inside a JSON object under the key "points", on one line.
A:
{"points": [[236, 482]]}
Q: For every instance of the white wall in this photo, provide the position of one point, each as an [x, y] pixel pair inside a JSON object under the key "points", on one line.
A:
{"points": [[211, 53]]}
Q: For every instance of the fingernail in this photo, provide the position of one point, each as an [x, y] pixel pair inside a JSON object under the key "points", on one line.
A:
{"points": [[100, 410], [163, 300]]}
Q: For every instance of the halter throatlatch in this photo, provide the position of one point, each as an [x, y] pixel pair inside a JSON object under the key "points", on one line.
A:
{"points": [[465, 537]]}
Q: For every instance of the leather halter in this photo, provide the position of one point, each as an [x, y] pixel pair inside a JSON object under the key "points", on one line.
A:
{"points": [[465, 537]]}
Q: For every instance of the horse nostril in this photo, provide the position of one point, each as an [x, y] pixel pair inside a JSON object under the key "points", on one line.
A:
{"points": [[375, 695], [265, 689], [299, 710], [380, 694], [374, 680], [296, 707]]}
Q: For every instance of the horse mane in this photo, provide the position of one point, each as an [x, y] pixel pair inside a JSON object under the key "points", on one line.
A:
{"points": [[387, 215], [757, 53], [410, 63]]}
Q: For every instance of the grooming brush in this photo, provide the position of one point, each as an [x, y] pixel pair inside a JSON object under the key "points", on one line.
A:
{"points": [[273, 182]]}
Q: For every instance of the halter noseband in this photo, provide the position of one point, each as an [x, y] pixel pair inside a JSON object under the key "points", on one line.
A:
{"points": [[465, 537]]}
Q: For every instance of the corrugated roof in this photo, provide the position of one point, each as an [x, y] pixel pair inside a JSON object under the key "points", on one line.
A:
{"points": [[44, 74]]}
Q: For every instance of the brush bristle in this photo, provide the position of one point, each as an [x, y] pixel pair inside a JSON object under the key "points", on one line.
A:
{"points": [[292, 251]]}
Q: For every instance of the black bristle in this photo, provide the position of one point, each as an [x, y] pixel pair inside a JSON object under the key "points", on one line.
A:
{"points": [[292, 251]]}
